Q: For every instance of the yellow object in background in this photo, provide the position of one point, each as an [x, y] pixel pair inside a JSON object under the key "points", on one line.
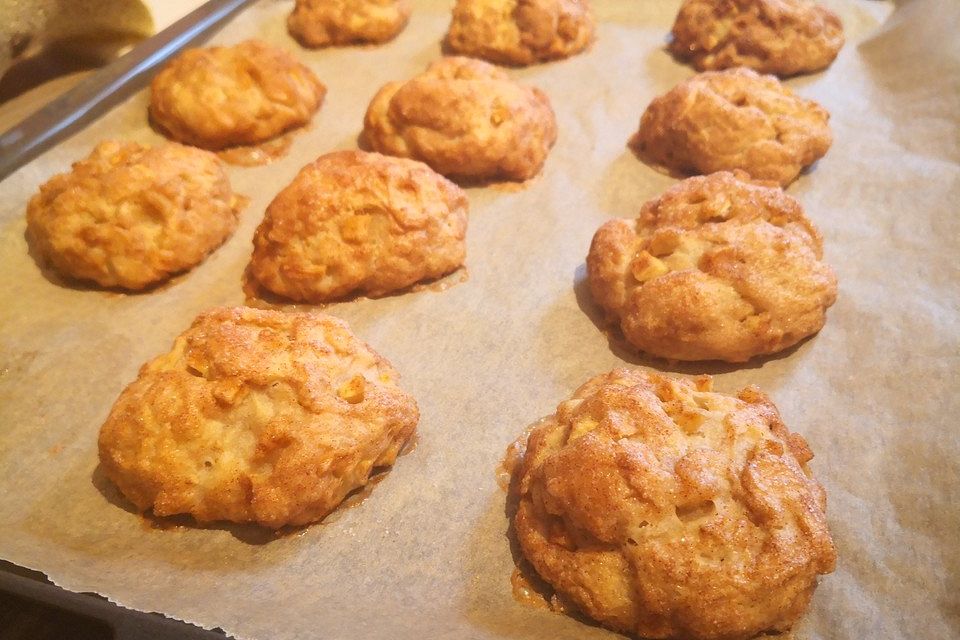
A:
{"points": [[47, 46], [93, 31]]}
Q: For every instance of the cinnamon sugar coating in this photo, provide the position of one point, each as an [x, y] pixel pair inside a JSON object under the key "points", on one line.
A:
{"points": [[217, 97], [256, 416], [715, 268], [782, 37], [322, 23], [664, 510], [131, 216], [734, 119], [520, 32], [466, 119], [359, 222]]}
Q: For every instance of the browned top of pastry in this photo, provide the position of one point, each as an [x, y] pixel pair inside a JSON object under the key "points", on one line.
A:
{"points": [[734, 119], [715, 268], [256, 416], [520, 32], [355, 221], [219, 97], [130, 216], [782, 37], [466, 119], [665, 510], [321, 23]]}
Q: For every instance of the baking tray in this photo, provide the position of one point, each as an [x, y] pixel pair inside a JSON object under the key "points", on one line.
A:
{"points": [[428, 552], [31, 606], [34, 608]]}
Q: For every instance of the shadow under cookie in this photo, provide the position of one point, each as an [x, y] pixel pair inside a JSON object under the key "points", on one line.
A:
{"points": [[621, 348], [508, 585], [55, 277], [249, 533], [258, 296]]}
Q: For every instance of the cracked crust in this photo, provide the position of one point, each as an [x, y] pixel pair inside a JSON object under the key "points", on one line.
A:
{"points": [[782, 37], [662, 509], [219, 97], [466, 119], [256, 416], [715, 268], [131, 216], [520, 32], [734, 119], [354, 221], [322, 23]]}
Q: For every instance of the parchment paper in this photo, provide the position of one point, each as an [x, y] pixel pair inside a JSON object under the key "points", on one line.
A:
{"points": [[426, 554]]}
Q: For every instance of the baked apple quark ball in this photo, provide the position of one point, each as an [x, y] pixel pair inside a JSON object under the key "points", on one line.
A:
{"points": [[734, 119], [466, 119], [520, 32], [357, 222], [782, 37], [323, 23], [717, 268], [256, 416], [662, 509], [131, 216], [218, 97]]}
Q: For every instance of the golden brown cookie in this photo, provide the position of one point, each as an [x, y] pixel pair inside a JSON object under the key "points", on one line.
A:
{"points": [[359, 222], [131, 216], [219, 97], [520, 32], [665, 510], [321, 23], [782, 37], [466, 119], [256, 416], [715, 268], [734, 119]]}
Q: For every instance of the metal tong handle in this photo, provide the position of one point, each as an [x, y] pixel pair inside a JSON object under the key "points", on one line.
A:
{"points": [[114, 82]]}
